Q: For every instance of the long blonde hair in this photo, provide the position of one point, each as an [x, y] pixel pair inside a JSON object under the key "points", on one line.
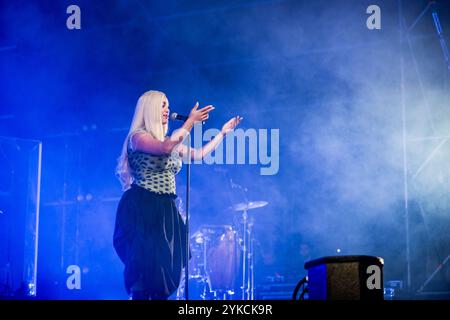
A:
{"points": [[147, 117]]}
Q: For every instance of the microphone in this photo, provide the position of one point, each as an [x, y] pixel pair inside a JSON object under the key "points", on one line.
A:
{"points": [[175, 116]]}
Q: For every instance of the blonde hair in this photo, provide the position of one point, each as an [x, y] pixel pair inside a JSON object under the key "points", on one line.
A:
{"points": [[147, 117]]}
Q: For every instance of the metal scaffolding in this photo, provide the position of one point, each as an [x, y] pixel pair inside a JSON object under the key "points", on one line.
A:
{"points": [[406, 46]]}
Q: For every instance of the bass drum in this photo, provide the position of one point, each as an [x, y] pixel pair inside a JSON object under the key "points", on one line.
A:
{"points": [[223, 257]]}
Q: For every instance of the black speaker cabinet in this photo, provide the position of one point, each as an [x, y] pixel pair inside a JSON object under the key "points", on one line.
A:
{"points": [[345, 278]]}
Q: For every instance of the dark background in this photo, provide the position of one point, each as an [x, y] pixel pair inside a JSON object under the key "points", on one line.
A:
{"points": [[311, 69]]}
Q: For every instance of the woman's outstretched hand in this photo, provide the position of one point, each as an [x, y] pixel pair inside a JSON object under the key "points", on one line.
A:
{"points": [[202, 114], [231, 124]]}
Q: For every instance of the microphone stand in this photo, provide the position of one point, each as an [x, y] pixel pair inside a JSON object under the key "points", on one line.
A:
{"points": [[174, 116], [188, 178]]}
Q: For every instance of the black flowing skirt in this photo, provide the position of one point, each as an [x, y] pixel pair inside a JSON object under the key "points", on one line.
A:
{"points": [[150, 239]]}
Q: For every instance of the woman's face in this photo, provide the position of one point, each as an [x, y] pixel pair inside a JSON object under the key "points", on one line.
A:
{"points": [[165, 112]]}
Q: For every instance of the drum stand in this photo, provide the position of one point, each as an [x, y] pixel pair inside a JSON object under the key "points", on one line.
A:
{"points": [[247, 259], [248, 278]]}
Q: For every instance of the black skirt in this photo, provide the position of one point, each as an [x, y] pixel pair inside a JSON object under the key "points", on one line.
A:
{"points": [[150, 239]]}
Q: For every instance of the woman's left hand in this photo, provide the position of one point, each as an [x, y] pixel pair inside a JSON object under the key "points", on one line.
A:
{"points": [[231, 124]]}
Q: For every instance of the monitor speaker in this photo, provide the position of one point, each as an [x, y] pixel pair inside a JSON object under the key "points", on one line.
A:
{"points": [[345, 278]]}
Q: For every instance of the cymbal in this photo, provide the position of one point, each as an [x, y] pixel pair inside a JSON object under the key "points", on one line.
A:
{"points": [[249, 205]]}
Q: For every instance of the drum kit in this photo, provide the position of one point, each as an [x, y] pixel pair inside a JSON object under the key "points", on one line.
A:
{"points": [[222, 259]]}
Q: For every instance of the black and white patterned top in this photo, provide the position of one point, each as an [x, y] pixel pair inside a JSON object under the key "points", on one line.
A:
{"points": [[154, 173]]}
